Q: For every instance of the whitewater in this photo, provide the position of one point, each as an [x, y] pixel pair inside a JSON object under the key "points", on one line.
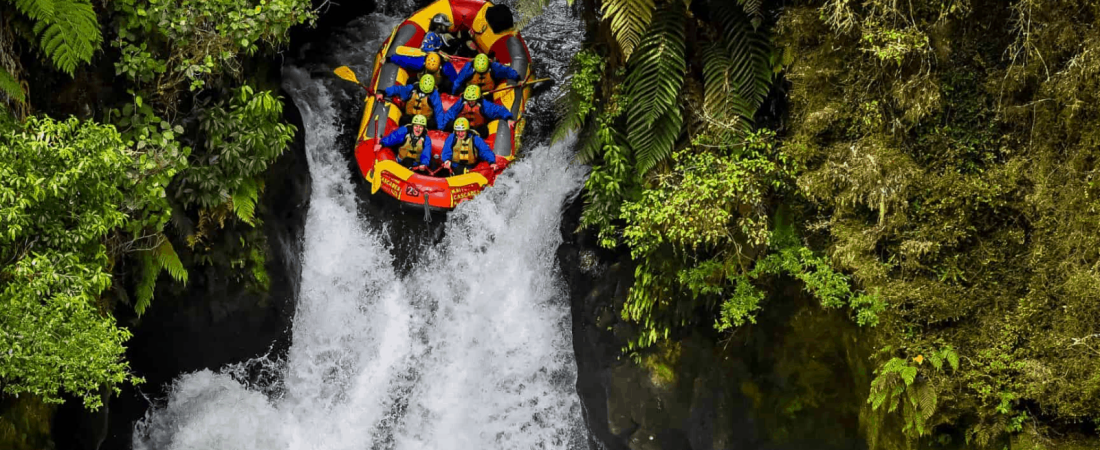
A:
{"points": [[470, 349]]}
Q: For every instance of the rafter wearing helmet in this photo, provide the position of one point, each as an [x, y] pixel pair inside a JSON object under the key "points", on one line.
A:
{"points": [[484, 73], [420, 98], [462, 150], [411, 144], [477, 110]]}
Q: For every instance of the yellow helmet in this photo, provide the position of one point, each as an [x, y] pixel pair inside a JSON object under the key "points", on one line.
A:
{"points": [[419, 119], [462, 124], [432, 62], [473, 92], [427, 84]]}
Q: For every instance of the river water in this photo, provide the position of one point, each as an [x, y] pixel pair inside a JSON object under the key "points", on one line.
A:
{"points": [[469, 348]]}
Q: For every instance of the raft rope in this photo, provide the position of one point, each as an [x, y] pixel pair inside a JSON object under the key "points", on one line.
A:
{"points": [[427, 213]]}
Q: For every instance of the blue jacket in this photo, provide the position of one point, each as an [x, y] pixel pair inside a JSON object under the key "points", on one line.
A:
{"points": [[404, 92], [498, 70], [397, 138], [415, 64], [491, 111], [483, 151]]}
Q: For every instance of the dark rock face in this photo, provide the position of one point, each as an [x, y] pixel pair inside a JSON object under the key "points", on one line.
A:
{"points": [[791, 381]]}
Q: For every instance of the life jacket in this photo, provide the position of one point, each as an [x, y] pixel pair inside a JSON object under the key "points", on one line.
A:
{"points": [[472, 113], [463, 150], [418, 104], [413, 146], [484, 81]]}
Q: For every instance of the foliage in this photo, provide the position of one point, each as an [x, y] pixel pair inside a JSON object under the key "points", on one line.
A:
{"points": [[627, 20], [67, 29], [10, 87], [64, 187], [654, 80], [168, 45], [241, 138], [950, 153]]}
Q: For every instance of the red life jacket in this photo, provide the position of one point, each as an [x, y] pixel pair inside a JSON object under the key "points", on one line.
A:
{"points": [[472, 113]]}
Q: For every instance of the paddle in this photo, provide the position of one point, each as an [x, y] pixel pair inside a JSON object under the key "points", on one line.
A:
{"points": [[345, 73], [520, 84]]}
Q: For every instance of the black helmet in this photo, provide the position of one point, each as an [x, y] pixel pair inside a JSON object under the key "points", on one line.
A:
{"points": [[441, 20]]}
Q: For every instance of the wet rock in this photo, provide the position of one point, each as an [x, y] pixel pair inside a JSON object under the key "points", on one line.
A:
{"points": [[791, 381]]}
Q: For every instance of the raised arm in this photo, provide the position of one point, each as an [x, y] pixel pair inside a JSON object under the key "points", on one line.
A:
{"points": [[501, 71]]}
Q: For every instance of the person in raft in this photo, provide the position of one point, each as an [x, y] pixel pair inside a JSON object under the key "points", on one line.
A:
{"points": [[421, 98], [477, 110], [429, 60], [428, 64], [463, 149], [414, 148], [437, 35], [483, 73]]}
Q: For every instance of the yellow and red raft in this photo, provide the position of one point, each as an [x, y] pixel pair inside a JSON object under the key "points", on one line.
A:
{"points": [[381, 169]]}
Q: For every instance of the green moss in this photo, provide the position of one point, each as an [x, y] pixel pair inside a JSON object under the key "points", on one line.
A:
{"points": [[662, 364], [25, 423]]}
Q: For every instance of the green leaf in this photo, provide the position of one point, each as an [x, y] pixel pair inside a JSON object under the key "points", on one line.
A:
{"points": [[167, 259], [656, 75], [244, 201], [11, 87], [71, 36]]}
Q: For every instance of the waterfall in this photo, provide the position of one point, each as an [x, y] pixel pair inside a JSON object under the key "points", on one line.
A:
{"points": [[471, 349]]}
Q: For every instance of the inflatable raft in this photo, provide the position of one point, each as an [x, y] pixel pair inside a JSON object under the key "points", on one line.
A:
{"points": [[439, 191]]}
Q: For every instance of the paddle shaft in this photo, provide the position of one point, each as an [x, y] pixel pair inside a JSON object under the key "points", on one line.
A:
{"points": [[521, 84]]}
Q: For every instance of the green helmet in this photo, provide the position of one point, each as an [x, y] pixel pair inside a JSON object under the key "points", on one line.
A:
{"points": [[473, 92], [427, 84], [481, 63], [419, 119], [462, 124]]}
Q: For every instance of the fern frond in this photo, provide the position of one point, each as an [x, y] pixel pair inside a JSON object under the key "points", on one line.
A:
{"points": [[167, 259], [927, 400], [755, 9], [749, 52], [590, 145], [656, 74], [655, 144], [244, 201], [653, 83], [721, 101], [37, 10], [72, 36], [628, 19], [10, 86], [148, 281]]}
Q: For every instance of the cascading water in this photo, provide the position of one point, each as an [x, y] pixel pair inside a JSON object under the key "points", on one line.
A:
{"points": [[470, 350]]}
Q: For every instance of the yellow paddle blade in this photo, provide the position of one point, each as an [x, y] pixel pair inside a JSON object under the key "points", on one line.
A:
{"points": [[346, 73]]}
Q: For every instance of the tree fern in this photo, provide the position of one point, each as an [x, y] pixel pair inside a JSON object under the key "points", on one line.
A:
{"points": [[11, 87], [628, 19], [749, 52], [144, 290], [653, 145], [167, 259], [71, 36], [655, 77], [755, 9], [37, 10], [244, 201]]}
